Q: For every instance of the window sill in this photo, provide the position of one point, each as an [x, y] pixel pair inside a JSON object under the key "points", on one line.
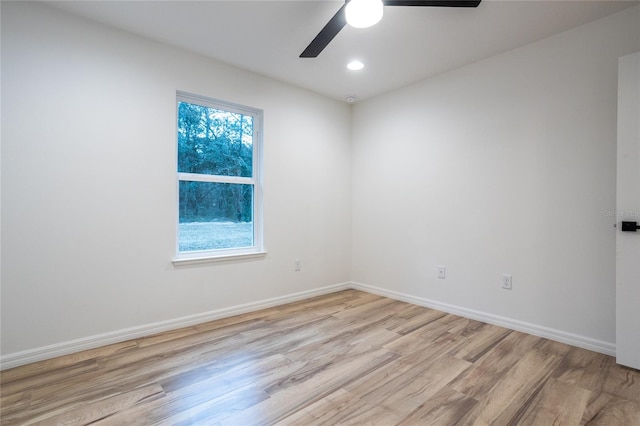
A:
{"points": [[186, 261]]}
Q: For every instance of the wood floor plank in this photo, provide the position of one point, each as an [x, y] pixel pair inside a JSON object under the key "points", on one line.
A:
{"points": [[337, 301], [322, 305], [617, 411], [558, 403], [406, 392], [340, 408], [14, 404], [342, 340], [91, 413], [508, 397], [425, 353], [112, 380], [52, 375], [222, 407], [264, 372], [623, 382], [485, 373], [420, 338], [174, 412], [194, 397], [283, 404], [45, 367], [552, 348], [343, 358], [446, 407], [422, 317], [583, 368], [479, 341], [319, 358], [165, 337], [373, 310]]}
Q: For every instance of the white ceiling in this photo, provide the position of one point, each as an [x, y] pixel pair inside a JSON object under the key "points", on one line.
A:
{"points": [[408, 45]]}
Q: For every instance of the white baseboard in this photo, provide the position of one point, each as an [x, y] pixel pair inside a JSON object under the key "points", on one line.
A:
{"points": [[584, 342], [72, 346]]}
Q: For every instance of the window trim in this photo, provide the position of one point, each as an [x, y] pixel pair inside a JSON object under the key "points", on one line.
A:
{"points": [[224, 255], [222, 258]]}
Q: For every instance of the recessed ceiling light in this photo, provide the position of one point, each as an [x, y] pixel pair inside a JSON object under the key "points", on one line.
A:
{"points": [[355, 65], [351, 98]]}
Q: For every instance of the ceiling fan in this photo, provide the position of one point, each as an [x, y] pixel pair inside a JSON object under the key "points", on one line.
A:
{"points": [[348, 14]]}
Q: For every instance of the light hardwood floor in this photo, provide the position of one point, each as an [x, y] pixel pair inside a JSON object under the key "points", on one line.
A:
{"points": [[344, 358]]}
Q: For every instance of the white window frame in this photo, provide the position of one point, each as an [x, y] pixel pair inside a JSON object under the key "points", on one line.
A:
{"points": [[221, 255]]}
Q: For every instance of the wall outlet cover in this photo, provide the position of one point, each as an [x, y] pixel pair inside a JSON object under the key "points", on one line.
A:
{"points": [[507, 281]]}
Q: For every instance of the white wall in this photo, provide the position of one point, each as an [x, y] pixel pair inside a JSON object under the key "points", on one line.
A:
{"points": [[89, 191], [503, 166]]}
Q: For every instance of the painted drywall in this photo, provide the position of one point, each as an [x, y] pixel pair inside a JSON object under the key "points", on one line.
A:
{"points": [[89, 186], [507, 166]]}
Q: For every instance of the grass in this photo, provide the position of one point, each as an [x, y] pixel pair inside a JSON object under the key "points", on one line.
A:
{"points": [[214, 235]]}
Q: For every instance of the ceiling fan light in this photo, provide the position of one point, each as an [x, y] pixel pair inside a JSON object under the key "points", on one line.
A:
{"points": [[363, 13]]}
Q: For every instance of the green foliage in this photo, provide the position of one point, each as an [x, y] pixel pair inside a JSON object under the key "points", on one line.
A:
{"points": [[213, 202], [214, 142]]}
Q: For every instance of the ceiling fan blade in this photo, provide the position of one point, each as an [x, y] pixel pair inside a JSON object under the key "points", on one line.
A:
{"points": [[443, 3], [325, 35]]}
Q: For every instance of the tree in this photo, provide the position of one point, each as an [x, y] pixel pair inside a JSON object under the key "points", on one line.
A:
{"points": [[214, 142]]}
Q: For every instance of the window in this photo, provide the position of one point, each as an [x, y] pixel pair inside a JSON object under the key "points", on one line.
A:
{"points": [[219, 193]]}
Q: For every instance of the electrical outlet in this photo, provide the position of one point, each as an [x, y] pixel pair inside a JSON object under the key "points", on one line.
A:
{"points": [[506, 281], [297, 265], [442, 272]]}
